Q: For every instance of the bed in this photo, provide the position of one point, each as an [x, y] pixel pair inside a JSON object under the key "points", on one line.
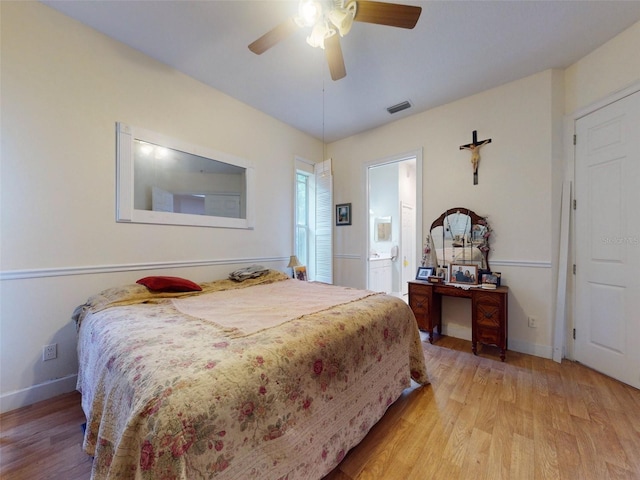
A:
{"points": [[268, 378]]}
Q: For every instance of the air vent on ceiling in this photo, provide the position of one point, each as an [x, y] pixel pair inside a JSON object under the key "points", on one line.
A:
{"points": [[399, 107]]}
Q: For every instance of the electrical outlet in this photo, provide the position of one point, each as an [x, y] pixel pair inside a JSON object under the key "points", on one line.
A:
{"points": [[533, 322], [49, 352]]}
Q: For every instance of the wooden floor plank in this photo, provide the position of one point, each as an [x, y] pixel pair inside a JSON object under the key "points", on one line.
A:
{"points": [[480, 418], [522, 464]]}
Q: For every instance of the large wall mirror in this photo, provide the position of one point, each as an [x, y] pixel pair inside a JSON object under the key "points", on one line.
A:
{"points": [[162, 180], [459, 235]]}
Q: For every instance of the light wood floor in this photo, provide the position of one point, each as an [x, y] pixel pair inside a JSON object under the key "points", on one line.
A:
{"points": [[528, 418]]}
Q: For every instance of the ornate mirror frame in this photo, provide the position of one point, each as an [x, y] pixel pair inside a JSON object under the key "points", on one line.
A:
{"points": [[459, 235]]}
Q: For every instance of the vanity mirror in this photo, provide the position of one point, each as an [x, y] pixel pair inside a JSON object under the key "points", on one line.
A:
{"points": [[165, 181], [460, 236]]}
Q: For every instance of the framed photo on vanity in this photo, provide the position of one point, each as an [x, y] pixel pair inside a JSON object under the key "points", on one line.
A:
{"points": [[424, 273], [443, 273], [491, 278], [463, 273]]}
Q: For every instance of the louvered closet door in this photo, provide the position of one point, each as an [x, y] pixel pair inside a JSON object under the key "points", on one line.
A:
{"points": [[323, 224]]}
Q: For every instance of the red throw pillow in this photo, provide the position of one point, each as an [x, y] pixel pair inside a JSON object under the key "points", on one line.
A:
{"points": [[169, 284]]}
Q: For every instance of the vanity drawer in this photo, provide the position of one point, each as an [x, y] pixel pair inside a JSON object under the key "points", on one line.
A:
{"points": [[489, 322], [488, 336], [426, 307], [419, 299], [489, 315]]}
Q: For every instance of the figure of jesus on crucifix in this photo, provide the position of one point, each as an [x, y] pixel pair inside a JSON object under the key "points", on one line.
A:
{"points": [[474, 147]]}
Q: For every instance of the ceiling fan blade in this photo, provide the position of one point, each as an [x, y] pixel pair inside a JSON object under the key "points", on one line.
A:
{"points": [[333, 52], [391, 14], [269, 39]]}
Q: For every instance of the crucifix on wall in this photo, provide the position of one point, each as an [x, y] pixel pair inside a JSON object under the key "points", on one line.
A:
{"points": [[474, 146]]}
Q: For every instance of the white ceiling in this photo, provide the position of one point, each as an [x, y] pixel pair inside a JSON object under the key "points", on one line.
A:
{"points": [[458, 48]]}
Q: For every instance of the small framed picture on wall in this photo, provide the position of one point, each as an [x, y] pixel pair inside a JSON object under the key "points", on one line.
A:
{"points": [[343, 214]]}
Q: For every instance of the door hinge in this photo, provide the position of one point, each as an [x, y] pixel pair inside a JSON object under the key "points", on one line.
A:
{"points": [[575, 203], [574, 333], [575, 139], [574, 268]]}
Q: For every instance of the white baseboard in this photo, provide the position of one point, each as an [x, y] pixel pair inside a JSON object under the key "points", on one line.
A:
{"points": [[456, 331], [543, 351], [44, 391], [36, 393]]}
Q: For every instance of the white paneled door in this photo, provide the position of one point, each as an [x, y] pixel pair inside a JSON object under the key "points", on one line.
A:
{"points": [[408, 236], [607, 240]]}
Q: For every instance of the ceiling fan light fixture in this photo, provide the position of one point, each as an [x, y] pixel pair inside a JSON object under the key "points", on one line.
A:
{"points": [[320, 32], [343, 17], [309, 13], [326, 18]]}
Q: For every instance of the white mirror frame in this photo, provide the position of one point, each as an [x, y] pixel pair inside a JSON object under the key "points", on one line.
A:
{"points": [[126, 212]]}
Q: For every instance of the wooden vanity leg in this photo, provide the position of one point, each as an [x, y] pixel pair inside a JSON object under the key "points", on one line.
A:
{"points": [[474, 347], [436, 312]]}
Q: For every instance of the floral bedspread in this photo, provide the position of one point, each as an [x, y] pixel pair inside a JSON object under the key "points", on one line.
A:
{"points": [[173, 396]]}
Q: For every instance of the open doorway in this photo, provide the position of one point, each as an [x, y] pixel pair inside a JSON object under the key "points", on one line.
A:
{"points": [[393, 222]]}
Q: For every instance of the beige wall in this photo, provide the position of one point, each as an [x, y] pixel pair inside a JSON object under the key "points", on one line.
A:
{"points": [[521, 176], [612, 67], [514, 191], [64, 87]]}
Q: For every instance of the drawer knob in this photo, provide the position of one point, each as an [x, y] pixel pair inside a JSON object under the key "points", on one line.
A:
{"points": [[488, 315]]}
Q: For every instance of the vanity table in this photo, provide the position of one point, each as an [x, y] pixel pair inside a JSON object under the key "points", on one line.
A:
{"points": [[458, 238], [489, 318]]}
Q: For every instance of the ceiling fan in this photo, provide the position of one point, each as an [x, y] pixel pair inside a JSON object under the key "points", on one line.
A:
{"points": [[330, 17]]}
